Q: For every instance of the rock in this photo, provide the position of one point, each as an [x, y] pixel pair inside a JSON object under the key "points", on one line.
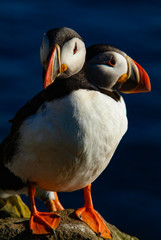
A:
{"points": [[13, 207], [69, 228]]}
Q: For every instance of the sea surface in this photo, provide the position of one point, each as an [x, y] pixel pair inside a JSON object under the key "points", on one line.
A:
{"points": [[128, 192]]}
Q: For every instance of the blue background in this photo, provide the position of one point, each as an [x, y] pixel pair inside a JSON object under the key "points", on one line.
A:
{"points": [[128, 193]]}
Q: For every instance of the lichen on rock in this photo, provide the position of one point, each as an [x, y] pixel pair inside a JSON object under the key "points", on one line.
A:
{"points": [[13, 207]]}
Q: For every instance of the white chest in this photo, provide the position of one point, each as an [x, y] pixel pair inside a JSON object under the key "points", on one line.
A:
{"points": [[69, 142]]}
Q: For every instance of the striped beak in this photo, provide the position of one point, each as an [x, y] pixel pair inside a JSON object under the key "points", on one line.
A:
{"points": [[54, 67], [136, 80]]}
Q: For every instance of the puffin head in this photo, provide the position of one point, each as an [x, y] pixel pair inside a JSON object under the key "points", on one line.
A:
{"points": [[111, 69], [62, 54]]}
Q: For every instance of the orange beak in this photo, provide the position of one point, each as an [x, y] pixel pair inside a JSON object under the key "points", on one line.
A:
{"points": [[137, 79], [54, 67]]}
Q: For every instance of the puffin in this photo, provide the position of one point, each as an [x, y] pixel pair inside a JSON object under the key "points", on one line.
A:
{"points": [[65, 136], [10, 182], [110, 70], [113, 72]]}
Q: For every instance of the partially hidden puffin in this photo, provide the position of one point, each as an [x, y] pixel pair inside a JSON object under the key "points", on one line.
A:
{"points": [[65, 136], [11, 183]]}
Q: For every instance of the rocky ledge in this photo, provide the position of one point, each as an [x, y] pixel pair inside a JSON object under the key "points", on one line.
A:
{"points": [[70, 228]]}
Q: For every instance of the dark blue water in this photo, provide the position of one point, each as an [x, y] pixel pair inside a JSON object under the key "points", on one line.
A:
{"points": [[128, 193]]}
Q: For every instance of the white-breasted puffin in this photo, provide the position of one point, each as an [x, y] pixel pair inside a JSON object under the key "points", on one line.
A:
{"points": [[67, 39], [108, 68], [112, 71], [64, 137]]}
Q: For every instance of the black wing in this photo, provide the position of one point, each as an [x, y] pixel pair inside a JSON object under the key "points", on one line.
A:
{"points": [[9, 144]]}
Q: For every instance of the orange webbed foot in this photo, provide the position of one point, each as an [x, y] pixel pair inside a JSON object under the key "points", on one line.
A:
{"points": [[43, 223], [94, 221], [88, 215]]}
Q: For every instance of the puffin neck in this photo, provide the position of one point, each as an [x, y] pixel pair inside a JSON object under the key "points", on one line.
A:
{"points": [[113, 94], [64, 86]]}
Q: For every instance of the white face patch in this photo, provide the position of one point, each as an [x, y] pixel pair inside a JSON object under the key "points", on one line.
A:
{"points": [[121, 66], [106, 68], [73, 55]]}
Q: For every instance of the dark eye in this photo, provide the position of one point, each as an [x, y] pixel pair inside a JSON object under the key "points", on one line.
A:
{"points": [[75, 48], [112, 62]]}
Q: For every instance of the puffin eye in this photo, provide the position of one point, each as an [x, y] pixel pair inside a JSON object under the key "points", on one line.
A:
{"points": [[75, 48], [112, 62]]}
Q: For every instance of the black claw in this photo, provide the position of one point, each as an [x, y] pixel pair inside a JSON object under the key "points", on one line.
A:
{"points": [[53, 231], [57, 215], [99, 234]]}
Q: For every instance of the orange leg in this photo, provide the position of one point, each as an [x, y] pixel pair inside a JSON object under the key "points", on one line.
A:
{"points": [[41, 222], [54, 205], [91, 217], [57, 203]]}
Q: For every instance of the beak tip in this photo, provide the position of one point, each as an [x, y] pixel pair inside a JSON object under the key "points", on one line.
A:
{"points": [[148, 87], [148, 84], [144, 84]]}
